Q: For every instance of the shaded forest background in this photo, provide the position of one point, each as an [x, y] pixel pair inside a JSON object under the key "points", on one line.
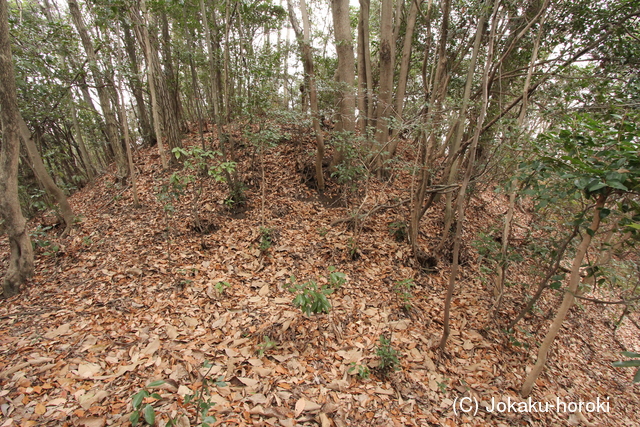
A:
{"points": [[389, 205]]}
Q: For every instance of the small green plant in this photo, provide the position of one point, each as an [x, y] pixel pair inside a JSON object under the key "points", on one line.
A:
{"points": [[266, 239], [388, 355], [322, 231], [40, 240], [443, 385], [309, 298], [402, 289], [221, 287], [352, 168], [86, 240], [202, 399], [147, 412], [399, 230], [336, 279], [633, 362], [267, 344], [352, 247], [515, 342], [362, 370]]}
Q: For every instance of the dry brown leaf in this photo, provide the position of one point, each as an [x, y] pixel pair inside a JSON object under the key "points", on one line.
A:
{"points": [[88, 370], [91, 422], [300, 404], [60, 330], [152, 347], [92, 396], [324, 420], [40, 409], [172, 331]]}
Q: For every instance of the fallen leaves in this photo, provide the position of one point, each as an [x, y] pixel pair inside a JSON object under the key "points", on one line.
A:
{"points": [[97, 327]]}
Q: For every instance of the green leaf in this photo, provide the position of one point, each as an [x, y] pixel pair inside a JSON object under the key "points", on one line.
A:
{"points": [[597, 186], [617, 185], [138, 397], [156, 383], [626, 363], [590, 232], [630, 354], [134, 418], [149, 414], [636, 377]]}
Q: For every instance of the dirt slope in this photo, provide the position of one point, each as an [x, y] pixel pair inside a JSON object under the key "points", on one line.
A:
{"points": [[117, 307]]}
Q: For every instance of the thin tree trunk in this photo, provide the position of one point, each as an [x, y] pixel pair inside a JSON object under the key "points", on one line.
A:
{"points": [[196, 92], [135, 83], [304, 42], [362, 73], [403, 75], [428, 146], [567, 301], [365, 76], [465, 183], [345, 73], [170, 76], [44, 177], [225, 54], [459, 127], [385, 87], [103, 95], [506, 231], [155, 106], [21, 264], [212, 63], [127, 140], [84, 153], [545, 280]]}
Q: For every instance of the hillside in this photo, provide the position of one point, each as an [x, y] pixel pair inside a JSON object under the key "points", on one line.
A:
{"points": [[121, 304]]}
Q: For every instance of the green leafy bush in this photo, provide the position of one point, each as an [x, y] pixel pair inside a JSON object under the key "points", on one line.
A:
{"points": [[310, 298], [402, 289], [388, 355], [336, 278]]}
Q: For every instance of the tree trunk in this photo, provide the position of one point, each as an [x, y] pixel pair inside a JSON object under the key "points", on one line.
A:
{"points": [[365, 78], [215, 98], [467, 179], [21, 259], [433, 96], [404, 71], [503, 266], [304, 42], [345, 74], [385, 88], [551, 271], [127, 140], [84, 152], [567, 301], [105, 104], [135, 83], [459, 127], [155, 106], [170, 76], [43, 175]]}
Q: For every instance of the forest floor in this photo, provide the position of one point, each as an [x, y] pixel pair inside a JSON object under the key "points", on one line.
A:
{"points": [[121, 303]]}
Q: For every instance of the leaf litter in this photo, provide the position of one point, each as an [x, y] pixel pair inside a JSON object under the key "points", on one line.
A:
{"points": [[117, 307]]}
